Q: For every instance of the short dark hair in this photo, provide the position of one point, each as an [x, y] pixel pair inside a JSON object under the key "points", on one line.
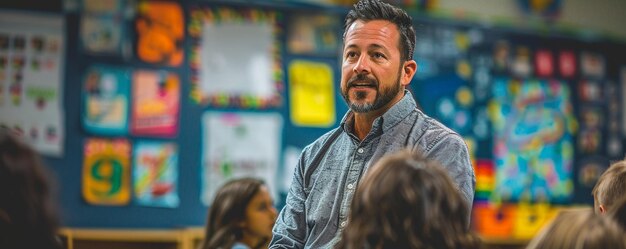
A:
{"points": [[407, 201], [369, 10]]}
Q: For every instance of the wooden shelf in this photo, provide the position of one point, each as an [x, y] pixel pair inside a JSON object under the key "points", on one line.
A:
{"points": [[81, 238]]}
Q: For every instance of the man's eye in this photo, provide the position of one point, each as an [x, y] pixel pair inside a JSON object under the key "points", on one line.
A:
{"points": [[379, 55], [351, 54]]}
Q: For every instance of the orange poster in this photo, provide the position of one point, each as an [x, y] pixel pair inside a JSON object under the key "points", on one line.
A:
{"points": [[160, 32]]}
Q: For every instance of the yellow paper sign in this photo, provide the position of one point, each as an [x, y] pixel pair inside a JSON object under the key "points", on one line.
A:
{"points": [[311, 94], [531, 218], [106, 172]]}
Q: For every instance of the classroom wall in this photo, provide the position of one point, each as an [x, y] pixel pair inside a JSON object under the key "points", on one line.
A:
{"points": [[601, 16], [76, 213]]}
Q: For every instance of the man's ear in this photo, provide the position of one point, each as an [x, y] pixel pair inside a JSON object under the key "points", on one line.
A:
{"points": [[408, 71]]}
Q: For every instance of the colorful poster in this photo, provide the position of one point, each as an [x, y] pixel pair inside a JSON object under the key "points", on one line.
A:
{"points": [[102, 6], [544, 63], [313, 34], [156, 102], [106, 172], [311, 94], [106, 97], [102, 34], [160, 32], [155, 174], [533, 145], [227, 67], [31, 66], [239, 145], [567, 64], [592, 65]]}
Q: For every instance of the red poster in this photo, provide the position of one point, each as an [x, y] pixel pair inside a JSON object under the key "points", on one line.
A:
{"points": [[544, 64], [567, 64]]}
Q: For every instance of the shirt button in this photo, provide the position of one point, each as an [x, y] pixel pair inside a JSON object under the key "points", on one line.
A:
{"points": [[360, 150], [342, 224], [350, 186]]}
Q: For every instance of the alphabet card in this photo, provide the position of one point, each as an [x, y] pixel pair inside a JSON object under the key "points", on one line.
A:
{"points": [[155, 173], [106, 172]]}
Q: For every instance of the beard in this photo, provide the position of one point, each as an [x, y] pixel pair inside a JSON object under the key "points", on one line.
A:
{"points": [[383, 95]]}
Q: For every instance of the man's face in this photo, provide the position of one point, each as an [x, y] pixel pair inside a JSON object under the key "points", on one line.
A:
{"points": [[372, 76]]}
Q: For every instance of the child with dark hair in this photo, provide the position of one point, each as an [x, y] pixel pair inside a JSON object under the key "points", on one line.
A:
{"points": [[28, 217], [241, 216], [406, 201]]}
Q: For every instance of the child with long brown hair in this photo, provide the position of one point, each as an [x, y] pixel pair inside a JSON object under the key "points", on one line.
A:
{"points": [[406, 201], [28, 212], [241, 216]]}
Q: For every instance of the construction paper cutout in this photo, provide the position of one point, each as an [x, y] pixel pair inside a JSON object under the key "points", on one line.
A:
{"points": [[160, 31]]}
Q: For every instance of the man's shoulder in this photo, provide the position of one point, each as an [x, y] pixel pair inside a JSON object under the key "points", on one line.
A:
{"points": [[320, 141], [431, 130], [428, 123]]}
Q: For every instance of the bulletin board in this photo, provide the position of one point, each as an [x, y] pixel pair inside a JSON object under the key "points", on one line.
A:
{"points": [[539, 112], [457, 68]]}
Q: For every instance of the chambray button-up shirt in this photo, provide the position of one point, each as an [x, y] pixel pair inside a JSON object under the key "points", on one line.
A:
{"points": [[319, 198]]}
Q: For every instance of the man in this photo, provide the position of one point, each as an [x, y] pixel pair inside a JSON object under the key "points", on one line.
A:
{"points": [[610, 188], [377, 65]]}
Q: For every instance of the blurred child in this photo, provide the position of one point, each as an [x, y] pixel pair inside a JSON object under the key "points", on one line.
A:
{"points": [[610, 188], [28, 217], [618, 213], [580, 229], [242, 216], [406, 201]]}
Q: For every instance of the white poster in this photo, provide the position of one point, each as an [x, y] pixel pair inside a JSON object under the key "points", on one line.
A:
{"points": [[239, 145], [31, 65], [230, 69]]}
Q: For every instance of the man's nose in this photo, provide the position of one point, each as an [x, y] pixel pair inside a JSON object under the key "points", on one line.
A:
{"points": [[362, 65]]}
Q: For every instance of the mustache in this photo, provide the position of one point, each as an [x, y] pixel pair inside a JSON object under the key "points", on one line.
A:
{"points": [[362, 79]]}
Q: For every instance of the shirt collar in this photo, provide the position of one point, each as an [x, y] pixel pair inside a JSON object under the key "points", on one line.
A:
{"points": [[393, 116]]}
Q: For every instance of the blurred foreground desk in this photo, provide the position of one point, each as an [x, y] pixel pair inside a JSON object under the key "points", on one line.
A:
{"points": [[503, 243], [183, 238], [81, 238]]}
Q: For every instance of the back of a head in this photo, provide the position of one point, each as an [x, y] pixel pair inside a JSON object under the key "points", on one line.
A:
{"points": [[405, 201], [369, 10], [227, 211], [611, 187], [28, 217], [580, 229], [618, 213]]}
